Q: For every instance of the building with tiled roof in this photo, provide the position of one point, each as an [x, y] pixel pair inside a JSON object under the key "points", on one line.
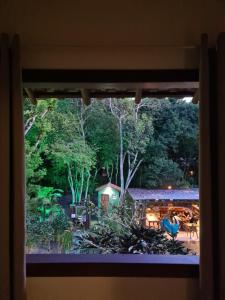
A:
{"points": [[138, 194]]}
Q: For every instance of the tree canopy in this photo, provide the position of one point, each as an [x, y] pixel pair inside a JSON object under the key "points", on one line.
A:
{"points": [[75, 148]]}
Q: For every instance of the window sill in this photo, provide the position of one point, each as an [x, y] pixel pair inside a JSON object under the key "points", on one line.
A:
{"points": [[63, 265]]}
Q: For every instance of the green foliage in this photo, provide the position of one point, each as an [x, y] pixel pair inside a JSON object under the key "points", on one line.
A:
{"points": [[69, 153], [86, 139], [49, 193], [42, 232], [35, 169], [45, 202], [60, 223], [66, 240], [173, 151], [163, 172], [137, 132], [38, 233], [128, 237], [68, 145], [102, 134]]}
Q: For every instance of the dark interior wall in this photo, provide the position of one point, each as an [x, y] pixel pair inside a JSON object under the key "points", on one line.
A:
{"points": [[99, 288], [112, 34]]}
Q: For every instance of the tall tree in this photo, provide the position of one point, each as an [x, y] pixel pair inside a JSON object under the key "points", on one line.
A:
{"points": [[102, 134], [69, 145], [172, 154], [135, 130]]}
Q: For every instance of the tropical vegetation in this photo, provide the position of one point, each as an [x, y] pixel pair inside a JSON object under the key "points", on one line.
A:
{"points": [[71, 149]]}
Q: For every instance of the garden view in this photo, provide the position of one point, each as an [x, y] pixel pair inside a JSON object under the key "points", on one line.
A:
{"points": [[111, 177]]}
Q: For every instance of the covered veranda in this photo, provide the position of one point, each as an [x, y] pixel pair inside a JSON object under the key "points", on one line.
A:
{"points": [[178, 205]]}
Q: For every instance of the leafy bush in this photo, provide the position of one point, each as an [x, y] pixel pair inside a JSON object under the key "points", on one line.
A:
{"points": [[38, 233], [60, 223], [128, 237], [66, 240]]}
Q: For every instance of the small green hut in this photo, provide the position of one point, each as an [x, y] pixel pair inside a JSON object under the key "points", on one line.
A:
{"points": [[108, 197]]}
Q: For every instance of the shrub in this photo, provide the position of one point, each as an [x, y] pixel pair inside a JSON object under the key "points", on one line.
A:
{"points": [[38, 232], [120, 233], [66, 240], [60, 223]]}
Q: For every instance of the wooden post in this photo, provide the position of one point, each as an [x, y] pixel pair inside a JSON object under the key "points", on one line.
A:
{"points": [[207, 285], [18, 174], [221, 164], [5, 275], [88, 217], [85, 97], [196, 97], [138, 96], [31, 96]]}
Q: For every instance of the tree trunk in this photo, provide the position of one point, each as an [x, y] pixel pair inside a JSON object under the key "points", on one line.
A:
{"points": [[121, 162], [81, 184], [111, 173], [87, 185], [76, 187], [117, 169], [132, 173], [29, 124], [70, 179]]}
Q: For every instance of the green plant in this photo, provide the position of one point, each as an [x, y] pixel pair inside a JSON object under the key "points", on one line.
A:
{"points": [[47, 201], [66, 240], [60, 223], [38, 233], [121, 234], [49, 193]]}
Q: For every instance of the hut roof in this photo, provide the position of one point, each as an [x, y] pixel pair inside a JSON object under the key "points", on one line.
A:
{"points": [[176, 194], [111, 185]]}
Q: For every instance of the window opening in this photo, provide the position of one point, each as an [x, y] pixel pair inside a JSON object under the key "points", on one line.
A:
{"points": [[111, 175]]}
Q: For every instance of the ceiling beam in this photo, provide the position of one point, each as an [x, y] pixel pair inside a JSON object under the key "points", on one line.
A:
{"points": [[31, 96], [138, 96], [196, 97], [85, 97], [104, 76], [113, 85], [118, 94]]}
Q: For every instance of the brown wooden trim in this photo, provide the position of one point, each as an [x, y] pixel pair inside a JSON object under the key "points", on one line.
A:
{"points": [[138, 96], [42, 75], [31, 96], [206, 237], [5, 271], [101, 83], [85, 97], [213, 239], [196, 97], [17, 186], [59, 265], [220, 251], [101, 95], [209, 198]]}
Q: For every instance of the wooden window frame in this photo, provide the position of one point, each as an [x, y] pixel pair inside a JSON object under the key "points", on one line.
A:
{"points": [[53, 265]]}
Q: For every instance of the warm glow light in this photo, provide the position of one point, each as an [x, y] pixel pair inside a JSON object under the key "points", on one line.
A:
{"points": [[151, 217], [191, 172], [169, 187]]}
